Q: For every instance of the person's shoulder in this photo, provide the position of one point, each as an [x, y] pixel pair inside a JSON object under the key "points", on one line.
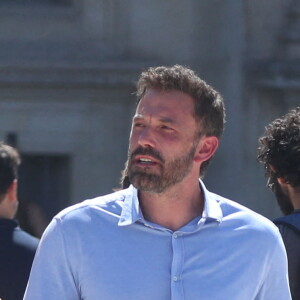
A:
{"points": [[110, 204], [244, 217], [293, 219], [237, 216], [289, 225], [25, 240]]}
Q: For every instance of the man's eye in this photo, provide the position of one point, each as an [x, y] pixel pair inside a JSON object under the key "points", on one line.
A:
{"points": [[138, 125], [164, 127]]}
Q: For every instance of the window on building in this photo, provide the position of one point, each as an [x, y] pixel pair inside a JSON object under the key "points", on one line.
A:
{"points": [[44, 189]]}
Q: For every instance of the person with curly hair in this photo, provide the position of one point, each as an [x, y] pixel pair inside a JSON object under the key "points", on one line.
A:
{"points": [[279, 153]]}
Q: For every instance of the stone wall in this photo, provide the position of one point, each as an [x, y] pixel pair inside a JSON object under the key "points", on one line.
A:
{"points": [[67, 74]]}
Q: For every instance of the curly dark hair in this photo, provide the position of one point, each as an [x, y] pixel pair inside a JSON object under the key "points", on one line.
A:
{"points": [[209, 105], [279, 149], [279, 153]]}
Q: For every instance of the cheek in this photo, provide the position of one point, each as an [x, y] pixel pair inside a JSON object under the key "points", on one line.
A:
{"points": [[134, 137], [132, 143]]}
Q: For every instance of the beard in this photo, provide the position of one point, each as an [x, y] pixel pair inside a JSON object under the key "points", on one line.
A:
{"points": [[283, 199], [170, 173]]}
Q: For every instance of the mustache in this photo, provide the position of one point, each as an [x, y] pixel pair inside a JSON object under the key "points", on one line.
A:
{"points": [[147, 151]]}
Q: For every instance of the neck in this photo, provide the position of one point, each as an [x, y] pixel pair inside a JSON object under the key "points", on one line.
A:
{"points": [[8, 207], [295, 197], [173, 208]]}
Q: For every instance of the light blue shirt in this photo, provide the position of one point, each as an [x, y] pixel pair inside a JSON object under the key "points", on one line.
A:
{"points": [[104, 249]]}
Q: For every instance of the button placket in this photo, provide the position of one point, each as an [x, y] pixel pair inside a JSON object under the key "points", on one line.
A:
{"points": [[177, 265]]}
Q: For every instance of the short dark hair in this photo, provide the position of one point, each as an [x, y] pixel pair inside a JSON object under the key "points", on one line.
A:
{"points": [[9, 163], [279, 148], [209, 105]]}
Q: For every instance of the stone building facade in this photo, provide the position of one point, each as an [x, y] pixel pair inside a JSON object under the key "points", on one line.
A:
{"points": [[67, 74]]}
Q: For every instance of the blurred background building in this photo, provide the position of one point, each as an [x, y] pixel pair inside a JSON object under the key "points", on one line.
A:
{"points": [[67, 75]]}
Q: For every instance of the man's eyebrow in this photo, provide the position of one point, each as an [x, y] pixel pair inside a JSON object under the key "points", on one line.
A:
{"points": [[138, 117], [167, 120], [161, 119]]}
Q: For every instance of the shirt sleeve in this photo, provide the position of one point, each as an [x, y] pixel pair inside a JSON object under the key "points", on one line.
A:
{"points": [[51, 276], [276, 283]]}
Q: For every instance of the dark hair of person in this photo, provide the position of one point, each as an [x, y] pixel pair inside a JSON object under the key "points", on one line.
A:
{"points": [[124, 181], [209, 105], [283, 200], [279, 149], [9, 163]]}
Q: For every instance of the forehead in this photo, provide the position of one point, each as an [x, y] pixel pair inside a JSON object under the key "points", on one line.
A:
{"points": [[168, 104]]}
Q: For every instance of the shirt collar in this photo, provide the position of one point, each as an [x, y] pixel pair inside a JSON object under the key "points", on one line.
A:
{"points": [[212, 210], [131, 211]]}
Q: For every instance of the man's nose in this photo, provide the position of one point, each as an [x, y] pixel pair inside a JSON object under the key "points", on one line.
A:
{"points": [[147, 138]]}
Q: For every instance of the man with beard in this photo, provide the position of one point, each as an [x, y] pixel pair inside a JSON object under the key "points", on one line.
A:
{"points": [[165, 236], [279, 152]]}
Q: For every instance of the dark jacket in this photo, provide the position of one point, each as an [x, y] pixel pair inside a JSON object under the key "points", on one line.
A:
{"points": [[17, 250], [289, 227]]}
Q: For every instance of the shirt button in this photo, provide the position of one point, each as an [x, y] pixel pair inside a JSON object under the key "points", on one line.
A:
{"points": [[175, 278], [175, 235]]}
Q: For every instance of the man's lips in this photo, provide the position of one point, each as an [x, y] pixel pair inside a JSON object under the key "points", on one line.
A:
{"points": [[145, 160], [146, 155]]}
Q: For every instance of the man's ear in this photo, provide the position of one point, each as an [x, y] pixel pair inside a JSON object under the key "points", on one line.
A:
{"points": [[206, 148], [273, 168], [12, 191], [280, 180]]}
